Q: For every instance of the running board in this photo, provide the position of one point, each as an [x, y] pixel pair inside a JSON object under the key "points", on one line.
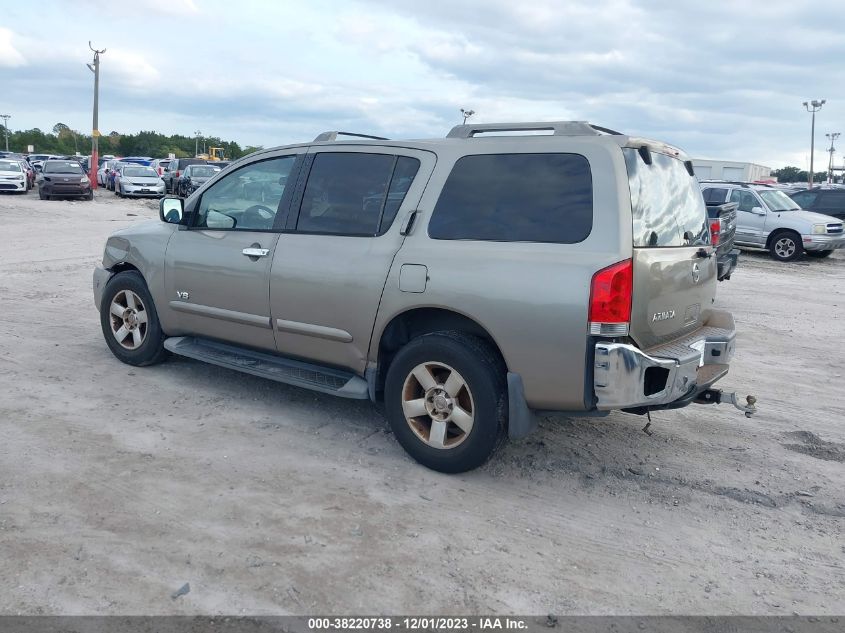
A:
{"points": [[292, 372]]}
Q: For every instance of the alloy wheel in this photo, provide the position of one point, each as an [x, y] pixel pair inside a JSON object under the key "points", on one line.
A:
{"points": [[438, 405], [128, 319]]}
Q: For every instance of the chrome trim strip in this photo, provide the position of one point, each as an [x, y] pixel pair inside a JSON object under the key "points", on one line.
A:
{"points": [[317, 331], [220, 313]]}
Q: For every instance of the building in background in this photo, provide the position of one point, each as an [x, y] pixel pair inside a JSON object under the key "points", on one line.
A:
{"points": [[730, 170]]}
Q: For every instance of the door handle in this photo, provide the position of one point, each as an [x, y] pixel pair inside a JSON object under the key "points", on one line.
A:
{"points": [[256, 252], [408, 223]]}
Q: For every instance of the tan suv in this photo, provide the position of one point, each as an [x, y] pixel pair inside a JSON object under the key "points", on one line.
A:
{"points": [[465, 282]]}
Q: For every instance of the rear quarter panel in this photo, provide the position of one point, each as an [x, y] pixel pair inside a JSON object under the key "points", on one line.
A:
{"points": [[532, 298]]}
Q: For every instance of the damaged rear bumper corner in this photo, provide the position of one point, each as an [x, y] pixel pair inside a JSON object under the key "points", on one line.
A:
{"points": [[626, 377]]}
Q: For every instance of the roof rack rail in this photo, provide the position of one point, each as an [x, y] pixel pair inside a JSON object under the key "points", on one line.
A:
{"points": [[558, 128], [332, 136]]}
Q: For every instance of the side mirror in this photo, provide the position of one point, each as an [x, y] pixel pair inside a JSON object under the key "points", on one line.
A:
{"points": [[171, 210], [758, 211]]}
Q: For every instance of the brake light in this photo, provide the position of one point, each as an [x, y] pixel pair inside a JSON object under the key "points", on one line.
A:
{"points": [[715, 231], [177, 173], [610, 299]]}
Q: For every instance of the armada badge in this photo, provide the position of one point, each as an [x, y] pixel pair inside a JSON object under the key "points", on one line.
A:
{"points": [[663, 316]]}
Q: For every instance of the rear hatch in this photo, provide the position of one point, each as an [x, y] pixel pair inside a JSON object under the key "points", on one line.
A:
{"points": [[674, 270]]}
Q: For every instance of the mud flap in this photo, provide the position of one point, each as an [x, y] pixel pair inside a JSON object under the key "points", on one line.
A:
{"points": [[521, 420]]}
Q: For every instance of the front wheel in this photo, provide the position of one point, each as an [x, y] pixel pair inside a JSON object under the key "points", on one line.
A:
{"points": [[819, 254], [786, 246], [130, 322], [446, 400]]}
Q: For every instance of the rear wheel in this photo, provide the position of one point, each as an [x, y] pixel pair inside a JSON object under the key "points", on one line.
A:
{"points": [[130, 322], [786, 246], [446, 400], [819, 254]]}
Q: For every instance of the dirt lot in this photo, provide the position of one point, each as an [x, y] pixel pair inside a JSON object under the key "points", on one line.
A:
{"points": [[119, 485]]}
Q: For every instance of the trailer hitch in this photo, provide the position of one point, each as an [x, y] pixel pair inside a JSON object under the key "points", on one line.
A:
{"points": [[717, 396]]}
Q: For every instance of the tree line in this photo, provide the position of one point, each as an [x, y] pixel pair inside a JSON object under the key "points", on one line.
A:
{"points": [[794, 174], [64, 140]]}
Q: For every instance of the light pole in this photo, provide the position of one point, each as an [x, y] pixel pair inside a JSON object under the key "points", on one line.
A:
{"points": [[197, 143], [813, 107], [467, 114], [832, 136], [6, 118], [95, 132]]}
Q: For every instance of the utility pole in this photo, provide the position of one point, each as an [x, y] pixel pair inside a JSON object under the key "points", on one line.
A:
{"points": [[6, 118], [813, 107], [467, 114], [95, 131], [197, 143], [832, 136]]}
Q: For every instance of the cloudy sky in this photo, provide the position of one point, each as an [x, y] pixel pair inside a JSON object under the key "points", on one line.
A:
{"points": [[722, 79]]}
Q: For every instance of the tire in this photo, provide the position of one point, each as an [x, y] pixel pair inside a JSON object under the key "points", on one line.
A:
{"points": [[146, 348], [464, 374], [90, 195], [819, 254], [786, 246]]}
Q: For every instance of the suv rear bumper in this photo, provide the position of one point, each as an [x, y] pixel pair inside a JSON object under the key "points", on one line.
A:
{"points": [[823, 242], [626, 377]]}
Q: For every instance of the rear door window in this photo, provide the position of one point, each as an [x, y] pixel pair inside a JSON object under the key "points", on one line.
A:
{"points": [[666, 202], [516, 198], [354, 193], [834, 200]]}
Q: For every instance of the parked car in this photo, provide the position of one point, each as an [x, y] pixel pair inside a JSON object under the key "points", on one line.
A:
{"points": [[134, 181], [30, 174], [769, 219], [103, 172], [63, 178], [829, 201], [12, 176], [175, 169], [146, 161], [194, 177], [722, 218], [111, 174], [160, 164], [465, 282]]}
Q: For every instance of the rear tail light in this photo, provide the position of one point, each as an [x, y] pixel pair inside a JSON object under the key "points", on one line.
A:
{"points": [[177, 173], [610, 300], [715, 231]]}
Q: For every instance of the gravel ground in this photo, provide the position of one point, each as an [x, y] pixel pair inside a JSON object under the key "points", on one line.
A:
{"points": [[119, 485]]}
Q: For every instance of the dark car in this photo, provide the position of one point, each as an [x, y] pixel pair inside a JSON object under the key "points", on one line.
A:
{"points": [[722, 219], [63, 178], [194, 177], [175, 169], [826, 201]]}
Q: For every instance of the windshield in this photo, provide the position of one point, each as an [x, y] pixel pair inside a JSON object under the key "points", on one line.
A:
{"points": [[778, 200], [202, 171], [666, 202], [9, 166], [62, 167], [140, 172]]}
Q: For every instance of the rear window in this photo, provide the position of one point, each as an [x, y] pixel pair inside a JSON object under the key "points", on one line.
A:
{"points": [[715, 196], [516, 198], [666, 202]]}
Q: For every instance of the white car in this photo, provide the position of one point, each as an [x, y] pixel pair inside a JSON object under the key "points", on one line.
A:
{"points": [[12, 176]]}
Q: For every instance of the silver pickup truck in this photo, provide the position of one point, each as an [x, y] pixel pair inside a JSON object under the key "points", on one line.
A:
{"points": [[465, 282]]}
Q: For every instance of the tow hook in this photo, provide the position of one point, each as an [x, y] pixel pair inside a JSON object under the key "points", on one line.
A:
{"points": [[717, 396]]}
